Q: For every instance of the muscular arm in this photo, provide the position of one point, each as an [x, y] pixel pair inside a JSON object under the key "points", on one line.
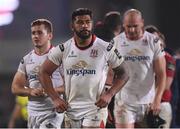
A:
{"points": [[160, 71], [18, 85], [120, 79], [60, 89], [46, 71]]}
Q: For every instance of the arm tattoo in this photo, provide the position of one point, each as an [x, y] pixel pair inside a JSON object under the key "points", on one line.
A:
{"points": [[121, 72]]}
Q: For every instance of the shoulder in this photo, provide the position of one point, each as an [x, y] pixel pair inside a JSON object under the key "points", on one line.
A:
{"points": [[27, 57], [119, 38], [151, 37], [63, 46], [107, 46]]}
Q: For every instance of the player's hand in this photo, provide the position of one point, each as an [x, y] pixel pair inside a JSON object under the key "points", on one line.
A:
{"points": [[36, 92], [60, 105], [103, 100], [155, 107]]}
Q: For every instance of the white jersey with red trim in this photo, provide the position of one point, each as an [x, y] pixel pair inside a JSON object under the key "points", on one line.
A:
{"points": [[30, 67], [85, 72], [139, 56]]}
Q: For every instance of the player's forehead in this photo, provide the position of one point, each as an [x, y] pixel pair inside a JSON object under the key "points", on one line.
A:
{"points": [[83, 18], [132, 19], [38, 27]]}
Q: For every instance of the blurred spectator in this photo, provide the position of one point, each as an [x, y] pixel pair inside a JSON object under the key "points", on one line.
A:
{"points": [[109, 27], [19, 115], [166, 110]]}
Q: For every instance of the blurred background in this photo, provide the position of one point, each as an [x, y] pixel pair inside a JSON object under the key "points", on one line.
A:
{"points": [[15, 35]]}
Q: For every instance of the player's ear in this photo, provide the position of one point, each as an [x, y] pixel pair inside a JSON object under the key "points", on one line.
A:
{"points": [[71, 26], [123, 26], [142, 21], [50, 36]]}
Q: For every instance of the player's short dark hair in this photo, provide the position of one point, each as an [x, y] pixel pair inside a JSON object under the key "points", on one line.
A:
{"points": [[153, 29], [45, 22], [81, 11]]}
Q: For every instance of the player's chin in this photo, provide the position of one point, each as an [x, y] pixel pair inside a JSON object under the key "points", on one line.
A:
{"points": [[37, 45], [85, 33]]}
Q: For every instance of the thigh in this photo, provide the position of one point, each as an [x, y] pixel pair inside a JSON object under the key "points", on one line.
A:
{"points": [[97, 120], [52, 120], [70, 123], [123, 113]]}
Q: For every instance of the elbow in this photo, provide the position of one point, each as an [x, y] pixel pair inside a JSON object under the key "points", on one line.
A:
{"points": [[14, 90]]}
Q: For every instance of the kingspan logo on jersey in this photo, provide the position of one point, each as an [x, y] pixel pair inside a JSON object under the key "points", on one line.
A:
{"points": [[136, 55], [34, 73], [80, 68]]}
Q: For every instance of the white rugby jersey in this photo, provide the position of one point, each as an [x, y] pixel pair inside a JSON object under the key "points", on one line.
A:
{"points": [[85, 72], [139, 56], [30, 67]]}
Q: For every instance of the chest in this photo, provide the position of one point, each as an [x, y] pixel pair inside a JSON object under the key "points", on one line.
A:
{"points": [[34, 63], [93, 57], [136, 51]]}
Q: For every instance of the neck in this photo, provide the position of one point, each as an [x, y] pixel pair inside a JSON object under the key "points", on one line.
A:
{"points": [[83, 42], [43, 49]]}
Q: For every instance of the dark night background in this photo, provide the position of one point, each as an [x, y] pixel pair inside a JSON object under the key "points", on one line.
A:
{"points": [[15, 39]]}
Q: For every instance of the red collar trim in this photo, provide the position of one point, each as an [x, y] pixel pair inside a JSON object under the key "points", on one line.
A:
{"points": [[86, 47], [45, 52]]}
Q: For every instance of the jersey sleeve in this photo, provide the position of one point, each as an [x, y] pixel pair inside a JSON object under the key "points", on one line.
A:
{"points": [[114, 57], [22, 66], [55, 55]]}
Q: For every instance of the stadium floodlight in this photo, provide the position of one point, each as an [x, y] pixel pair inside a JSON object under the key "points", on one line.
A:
{"points": [[6, 11]]}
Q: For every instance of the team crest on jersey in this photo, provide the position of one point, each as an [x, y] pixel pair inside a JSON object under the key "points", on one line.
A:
{"points": [[94, 53]]}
